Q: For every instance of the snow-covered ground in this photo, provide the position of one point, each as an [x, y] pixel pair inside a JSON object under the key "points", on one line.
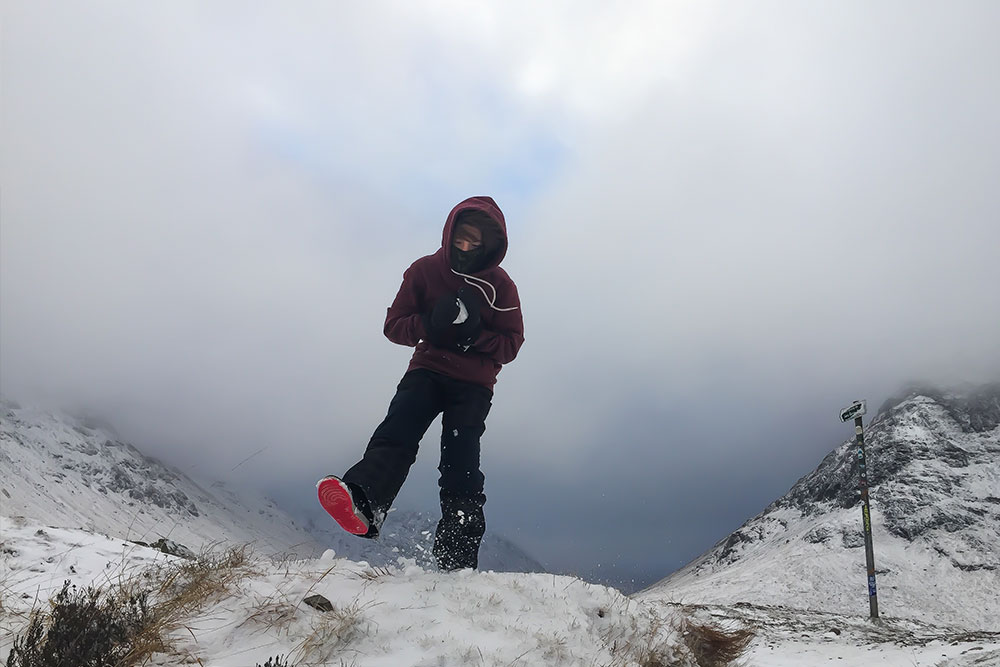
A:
{"points": [[394, 616], [404, 615], [790, 637]]}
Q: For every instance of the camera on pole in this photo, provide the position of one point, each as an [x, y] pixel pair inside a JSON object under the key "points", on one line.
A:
{"points": [[856, 411]]}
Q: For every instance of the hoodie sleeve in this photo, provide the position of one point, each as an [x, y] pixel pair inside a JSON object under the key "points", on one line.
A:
{"points": [[504, 335], [403, 323]]}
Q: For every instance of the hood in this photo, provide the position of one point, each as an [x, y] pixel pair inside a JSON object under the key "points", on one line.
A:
{"points": [[496, 243]]}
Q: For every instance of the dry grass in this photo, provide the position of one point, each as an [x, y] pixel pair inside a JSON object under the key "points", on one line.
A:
{"points": [[714, 647], [331, 632], [11, 618], [83, 627], [646, 647], [373, 573], [654, 643], [182, 591], [174, 593], [271, 615], [631, 643], [187, 587]]}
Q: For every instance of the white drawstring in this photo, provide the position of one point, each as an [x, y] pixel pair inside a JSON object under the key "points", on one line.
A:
{"points": [[491, 302]]}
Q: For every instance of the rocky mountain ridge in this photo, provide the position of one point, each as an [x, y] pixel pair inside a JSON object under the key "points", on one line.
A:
{"points": [[934, 474]]}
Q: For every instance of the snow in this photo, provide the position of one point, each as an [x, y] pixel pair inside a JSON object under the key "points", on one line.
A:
{"points": [[37, 559], [795, 574], [788, 637], [809, 554], [406, 615], [796, 654], [399, 615], [63, 472], [912, 578]]}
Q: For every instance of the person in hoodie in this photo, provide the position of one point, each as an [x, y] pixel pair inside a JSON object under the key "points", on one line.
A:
{"points": [[461, 312]]}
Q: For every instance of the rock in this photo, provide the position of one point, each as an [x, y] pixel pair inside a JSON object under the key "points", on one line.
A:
{"points": [[319, 602], [818, 535], [169, 547], [852, 539]]}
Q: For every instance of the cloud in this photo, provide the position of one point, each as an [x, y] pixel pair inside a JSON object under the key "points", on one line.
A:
{"points": [[837, 221], [726, 223]]}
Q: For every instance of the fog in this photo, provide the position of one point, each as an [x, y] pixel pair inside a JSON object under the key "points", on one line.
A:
{"points": [[726, 222]]}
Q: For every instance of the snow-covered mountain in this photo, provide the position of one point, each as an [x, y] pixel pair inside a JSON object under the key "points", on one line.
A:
{"points": [[64, 472], [934, 471], [67, 474]]}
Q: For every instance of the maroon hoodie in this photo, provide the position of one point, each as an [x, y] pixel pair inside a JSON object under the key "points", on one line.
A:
{"points": [[430, 277]]}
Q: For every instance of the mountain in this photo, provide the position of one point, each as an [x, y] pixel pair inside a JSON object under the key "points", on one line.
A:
{"points": [[71, 473], [934, 473], [68, 473]]}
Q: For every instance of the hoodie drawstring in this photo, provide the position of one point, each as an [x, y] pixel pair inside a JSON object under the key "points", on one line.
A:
{"points": [[492, 302]]}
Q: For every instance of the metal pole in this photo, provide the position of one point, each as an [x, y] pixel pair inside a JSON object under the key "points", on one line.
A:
{"points": [[867, 516]]}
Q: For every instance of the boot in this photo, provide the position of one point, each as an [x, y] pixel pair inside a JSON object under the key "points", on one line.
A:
{"points": [[459, 532], [347, 504]]}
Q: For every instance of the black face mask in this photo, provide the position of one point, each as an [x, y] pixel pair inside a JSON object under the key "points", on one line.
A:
{"points": [[467, 261]]}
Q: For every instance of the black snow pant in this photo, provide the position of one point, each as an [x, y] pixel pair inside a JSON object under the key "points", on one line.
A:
{"points": [[420, 397]]}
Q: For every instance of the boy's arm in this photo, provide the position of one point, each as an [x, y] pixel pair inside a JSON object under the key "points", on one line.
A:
{"points": [[505, 334], [403, 322]]}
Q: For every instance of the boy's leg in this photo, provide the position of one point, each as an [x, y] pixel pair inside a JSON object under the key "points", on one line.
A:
{"points": [[462, 524], [393, 447]]}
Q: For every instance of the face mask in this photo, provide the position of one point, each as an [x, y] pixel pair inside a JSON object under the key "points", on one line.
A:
{"points": [[466, 261]]}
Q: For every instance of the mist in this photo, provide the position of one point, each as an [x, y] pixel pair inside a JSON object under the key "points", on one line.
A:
{"points": [[726, 223]]}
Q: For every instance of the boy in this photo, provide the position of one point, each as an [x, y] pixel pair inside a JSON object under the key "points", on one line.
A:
{"points": [[461, 312]]}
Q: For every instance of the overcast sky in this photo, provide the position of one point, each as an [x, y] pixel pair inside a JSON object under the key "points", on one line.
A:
{"points": [[727, 221]]}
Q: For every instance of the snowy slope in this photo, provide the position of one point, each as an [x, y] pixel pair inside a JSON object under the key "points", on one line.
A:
{"points": [[65, 473], [788, 637], [62, 473], [398, 616], [934, 467], [403, 615]]}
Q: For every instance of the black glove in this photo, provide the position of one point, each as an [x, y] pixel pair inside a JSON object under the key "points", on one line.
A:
{"points": [[439, 322], [467, 332]]}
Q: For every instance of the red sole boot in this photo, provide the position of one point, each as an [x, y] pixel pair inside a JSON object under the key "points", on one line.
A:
{"points": [[336, 499]]}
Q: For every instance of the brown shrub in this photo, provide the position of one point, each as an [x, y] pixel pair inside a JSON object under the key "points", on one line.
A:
{"points": [[127, 624], [714, 647]]}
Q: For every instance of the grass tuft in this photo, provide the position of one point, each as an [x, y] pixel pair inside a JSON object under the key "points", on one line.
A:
{"points": [[331, 632], [653, 642], [714, 647], [128, 623], [276, 661], [373, 573], [83, 627]]}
